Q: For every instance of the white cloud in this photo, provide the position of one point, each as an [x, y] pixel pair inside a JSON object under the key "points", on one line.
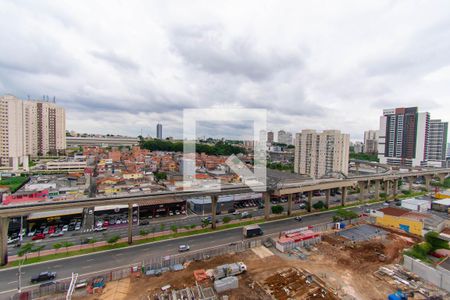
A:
{"points": [[121, 66]]}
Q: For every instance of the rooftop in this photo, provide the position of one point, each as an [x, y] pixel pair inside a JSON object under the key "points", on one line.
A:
{"points": [[443, 201], [393, 211]]}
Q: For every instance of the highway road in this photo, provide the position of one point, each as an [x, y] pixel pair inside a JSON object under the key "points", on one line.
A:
{"points": [[76, 237], [120, 257]]}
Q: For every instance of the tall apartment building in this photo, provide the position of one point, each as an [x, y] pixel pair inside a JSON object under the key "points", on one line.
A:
{"points": [[437, 143], [159, 135], [404, 136], [371, 141], [284, 137], [29, 128], [270, 137], [321, 154]]}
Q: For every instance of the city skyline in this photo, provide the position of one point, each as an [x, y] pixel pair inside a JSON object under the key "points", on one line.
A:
{"points": [[272, 60]]}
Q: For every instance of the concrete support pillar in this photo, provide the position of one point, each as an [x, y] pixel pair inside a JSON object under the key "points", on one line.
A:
{"points": [[310, 193], [266, 205], [130, 223], [386, 188], [214, 200], [395, 188], [441, 177], [410, 183], [344, 195], [362, 190], [327, 198], [289, 208], [357, 168], [4, 223], [377, 190], [428, 181]]}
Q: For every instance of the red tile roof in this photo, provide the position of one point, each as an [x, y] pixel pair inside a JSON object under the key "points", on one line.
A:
{"points": [[393, 211]]}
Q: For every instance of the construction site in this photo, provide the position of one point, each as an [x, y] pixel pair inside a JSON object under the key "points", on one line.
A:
{"points": [[360, 262]]}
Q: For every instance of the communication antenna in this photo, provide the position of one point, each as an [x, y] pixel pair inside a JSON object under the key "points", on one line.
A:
{"points": [[54, 99]]}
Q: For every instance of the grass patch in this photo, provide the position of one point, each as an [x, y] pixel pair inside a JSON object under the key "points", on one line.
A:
{"points": [[63, 254], [14, 183]]}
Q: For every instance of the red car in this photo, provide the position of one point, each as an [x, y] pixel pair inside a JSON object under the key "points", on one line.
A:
{"points": [[105, 224], [51, 230], [39, 236]]}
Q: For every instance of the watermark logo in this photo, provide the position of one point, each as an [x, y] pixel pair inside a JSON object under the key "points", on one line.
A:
{"points": [[254, 177]]}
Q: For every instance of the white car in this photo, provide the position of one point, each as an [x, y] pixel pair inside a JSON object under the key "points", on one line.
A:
{"points": [[31, 233], [118, 222], [12, 240], [99, 223], [78, 226], [65, 228], [183, 248]]}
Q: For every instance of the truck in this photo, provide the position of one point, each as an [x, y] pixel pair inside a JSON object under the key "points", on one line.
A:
{"points": [[252, 230], [229, 270]]}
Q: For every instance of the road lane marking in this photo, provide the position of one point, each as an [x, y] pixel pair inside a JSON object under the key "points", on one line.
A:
{"points": [[12, 282], [57, 266], [91, 259]]}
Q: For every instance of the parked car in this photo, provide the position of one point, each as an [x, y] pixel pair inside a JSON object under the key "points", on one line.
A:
{"points": [[46, 229], [144, 222], [105, 223], [31, 233], [57, 234], [43, 276], [38, 236], [65, 228], [183, 248], [231, 210], [100, 228], [12, 240], [78, 226]]}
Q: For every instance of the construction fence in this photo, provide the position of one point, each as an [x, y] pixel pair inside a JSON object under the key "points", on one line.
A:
{"points": [[58, 289], [440, 278]]}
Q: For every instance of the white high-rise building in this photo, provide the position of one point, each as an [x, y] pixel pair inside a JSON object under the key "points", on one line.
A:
{"points": [[371, 141], [284, 137], [30, 128], [321, 154], [437, 143], [404, 137]]}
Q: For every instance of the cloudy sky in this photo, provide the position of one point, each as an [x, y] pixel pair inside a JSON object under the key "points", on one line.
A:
{"points": [[122, 66]]}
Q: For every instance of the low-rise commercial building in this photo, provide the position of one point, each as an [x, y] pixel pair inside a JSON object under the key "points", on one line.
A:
{"points": [[441, 205], [416, 204], [412, 222]]}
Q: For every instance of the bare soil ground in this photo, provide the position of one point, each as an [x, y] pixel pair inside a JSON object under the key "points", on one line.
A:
{"points": [[343, 266]]}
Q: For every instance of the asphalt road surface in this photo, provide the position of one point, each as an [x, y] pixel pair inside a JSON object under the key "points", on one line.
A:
{"points": [[76, 237], [121, 257]]}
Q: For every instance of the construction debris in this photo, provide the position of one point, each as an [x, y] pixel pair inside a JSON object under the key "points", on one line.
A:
{"points": [[226, 284], [297, 284]]}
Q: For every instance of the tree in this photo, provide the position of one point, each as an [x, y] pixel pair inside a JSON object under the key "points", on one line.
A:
{"points": [[318, 205], [174, 228], [277, 209], [66, 245], [112, 240], [162, 227], [25, 249], [160, 176], [38, 249], [344, 214], [143, 232], [226, 219], [193, 226], [435, 241], [57, 246], [92, 242]]}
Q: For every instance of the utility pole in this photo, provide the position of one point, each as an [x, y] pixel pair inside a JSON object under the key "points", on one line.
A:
{"points": [[73, 281], [19, 275]]}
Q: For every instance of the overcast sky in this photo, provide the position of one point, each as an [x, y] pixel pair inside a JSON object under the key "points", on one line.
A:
{"points": [[122, 66]]}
